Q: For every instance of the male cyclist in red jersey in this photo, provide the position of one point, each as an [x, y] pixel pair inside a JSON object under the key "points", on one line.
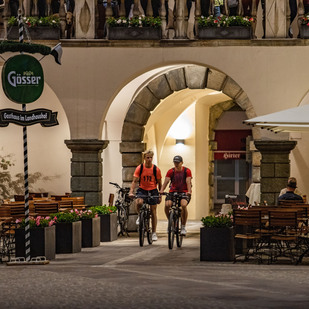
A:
{"points": [[180, 182]]}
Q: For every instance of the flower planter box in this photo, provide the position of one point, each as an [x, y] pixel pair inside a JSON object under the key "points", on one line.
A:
{"points": [[108, 227], [91, 232], [234, 32], [134, 33], [36, 33], [217, 244], [304, 32], [42, 242], [69, 237]]}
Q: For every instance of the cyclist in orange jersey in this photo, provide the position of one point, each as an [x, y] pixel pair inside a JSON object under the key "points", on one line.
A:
{"points": [[147, 177]]}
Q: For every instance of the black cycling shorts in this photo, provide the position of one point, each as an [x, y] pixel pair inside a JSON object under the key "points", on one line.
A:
{"points": [[169, 197], [141, 193]]}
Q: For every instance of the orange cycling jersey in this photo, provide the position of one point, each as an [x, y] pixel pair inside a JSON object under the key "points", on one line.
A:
{"points": [[147, 179]]}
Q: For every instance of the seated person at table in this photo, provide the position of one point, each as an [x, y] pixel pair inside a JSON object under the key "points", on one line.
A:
{"points": [[292, 179], [290, 193]]}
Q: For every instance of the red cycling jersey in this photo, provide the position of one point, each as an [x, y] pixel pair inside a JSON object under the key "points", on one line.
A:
{"points": [[178, 180]]}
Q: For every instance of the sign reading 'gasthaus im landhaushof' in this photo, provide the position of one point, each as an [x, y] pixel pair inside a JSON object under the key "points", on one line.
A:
{"points": [[22, 79]]}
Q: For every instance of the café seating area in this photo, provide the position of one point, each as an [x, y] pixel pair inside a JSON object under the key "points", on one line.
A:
{"points": [[39, 205], [272, 233]]}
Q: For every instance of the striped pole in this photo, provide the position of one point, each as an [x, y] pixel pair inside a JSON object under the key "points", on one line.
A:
{"points": [[27, 223]]}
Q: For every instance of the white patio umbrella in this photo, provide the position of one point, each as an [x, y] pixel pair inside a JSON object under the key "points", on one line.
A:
{"points": [[290, 120]]}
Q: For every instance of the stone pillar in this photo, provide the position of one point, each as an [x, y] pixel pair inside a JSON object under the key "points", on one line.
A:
{"points": [[277, 15], [131, 158], [85, 19], [275, 168], [86, 169]]}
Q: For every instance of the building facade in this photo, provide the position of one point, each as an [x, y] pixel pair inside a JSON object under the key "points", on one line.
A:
{"points": [[117, 98]]}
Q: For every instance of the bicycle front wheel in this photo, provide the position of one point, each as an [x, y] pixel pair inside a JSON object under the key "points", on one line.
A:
{"points": [[141, 229], [171, 230], [179, 237], [149, 231]]}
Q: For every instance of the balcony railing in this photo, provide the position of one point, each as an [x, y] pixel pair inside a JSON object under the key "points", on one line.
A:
{"points": [[272, 18]]}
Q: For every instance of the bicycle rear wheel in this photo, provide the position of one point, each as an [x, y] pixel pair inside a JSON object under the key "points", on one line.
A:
{"points": [[141, 229], [121, 221], [171, 230], [179, 237]]}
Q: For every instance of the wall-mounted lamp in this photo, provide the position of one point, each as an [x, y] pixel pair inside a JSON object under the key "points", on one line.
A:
{"points": [[180, 141]]}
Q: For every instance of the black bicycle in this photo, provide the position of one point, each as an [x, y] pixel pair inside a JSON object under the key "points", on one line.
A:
{"points": [[174, 220], [122, 203], [144, 228]]}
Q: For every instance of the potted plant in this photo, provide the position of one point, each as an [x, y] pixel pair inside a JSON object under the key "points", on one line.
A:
{"points": [[217, 238], [43, 28], [90, 228], [68, 231], [108, 222], [136, 28], [42, 237], [225, 27], [304, 27]]}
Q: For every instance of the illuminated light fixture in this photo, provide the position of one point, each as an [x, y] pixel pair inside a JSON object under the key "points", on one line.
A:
{"points": [[180, 141]]}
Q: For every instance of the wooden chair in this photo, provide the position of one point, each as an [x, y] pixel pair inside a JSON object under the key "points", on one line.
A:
{"points": [[65, 205], [45, 209], [285, 224], [289, 202], [17, 210], [78, 202], [249, 221], [5, 212], [111, 199], [19, 198]]}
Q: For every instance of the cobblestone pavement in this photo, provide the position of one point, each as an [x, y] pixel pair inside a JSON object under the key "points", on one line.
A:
{"points": [[121, 274]]}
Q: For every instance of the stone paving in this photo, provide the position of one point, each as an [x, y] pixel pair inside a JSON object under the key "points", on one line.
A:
{"points": [[121, 274]]}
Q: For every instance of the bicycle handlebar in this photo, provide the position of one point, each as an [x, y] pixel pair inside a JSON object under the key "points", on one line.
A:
{"points": [[124, 190]]}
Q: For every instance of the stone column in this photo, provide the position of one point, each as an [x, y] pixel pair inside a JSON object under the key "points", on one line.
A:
{"points": [[86, 169], [275, 168], [277, 15], [131, 158], [85, 19]]}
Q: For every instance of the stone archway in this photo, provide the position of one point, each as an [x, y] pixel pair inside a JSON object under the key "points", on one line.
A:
{"points": [[192, 77]]}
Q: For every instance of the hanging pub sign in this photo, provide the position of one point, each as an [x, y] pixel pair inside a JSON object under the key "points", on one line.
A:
{"points": [[45, 117], [22, 79]]}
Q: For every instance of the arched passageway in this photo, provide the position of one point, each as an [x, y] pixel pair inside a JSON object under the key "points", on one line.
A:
{"points": [[162, 88]]}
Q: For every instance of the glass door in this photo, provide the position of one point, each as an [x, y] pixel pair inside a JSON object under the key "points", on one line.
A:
{"points": [[231, 177]]}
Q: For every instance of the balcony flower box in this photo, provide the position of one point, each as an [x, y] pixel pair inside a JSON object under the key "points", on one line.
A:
{"points": [[37, 33], [42, 242], [304, 32], [234, 32], [137, 28], [43, 28], [225, 27]]}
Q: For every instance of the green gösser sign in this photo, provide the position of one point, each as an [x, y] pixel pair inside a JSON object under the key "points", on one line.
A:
{"points": [[22, 79]]}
